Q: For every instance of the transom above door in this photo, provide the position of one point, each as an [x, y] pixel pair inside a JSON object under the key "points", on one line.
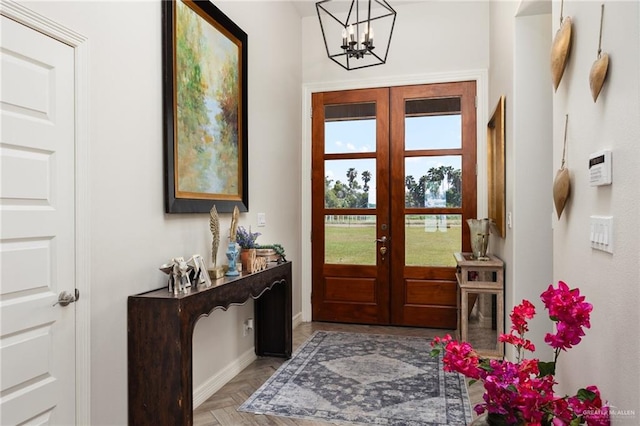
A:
{"points": [[393, 181]]}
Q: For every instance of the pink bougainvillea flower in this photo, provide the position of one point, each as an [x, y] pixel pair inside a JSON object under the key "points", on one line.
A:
{"points": [[519, 316], [461, 357], [441, 340], [566, 336], [571, 313], [567, 305], [517, 342], [522, 392]]}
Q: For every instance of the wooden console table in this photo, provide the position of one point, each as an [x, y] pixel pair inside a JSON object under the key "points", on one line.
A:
{"points": [[160, 331]]}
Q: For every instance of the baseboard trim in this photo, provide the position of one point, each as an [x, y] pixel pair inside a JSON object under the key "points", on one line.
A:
{"points": [[217, 381], [297, 320]]}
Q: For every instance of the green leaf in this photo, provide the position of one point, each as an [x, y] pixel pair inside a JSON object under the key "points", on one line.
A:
{"points": [[575, 422], [547, 368], [486, 367], [584, 395], [434, 352], [472, 381]]}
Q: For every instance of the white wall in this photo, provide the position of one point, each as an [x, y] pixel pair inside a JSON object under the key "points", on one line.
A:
{"points": [[502, 41], [432, 42], [429, 37], [130, 234], [520, 43], [532, 171], [608, 354]]}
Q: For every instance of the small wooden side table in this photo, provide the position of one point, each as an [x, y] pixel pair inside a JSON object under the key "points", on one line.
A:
{"points": [[476, 277]]}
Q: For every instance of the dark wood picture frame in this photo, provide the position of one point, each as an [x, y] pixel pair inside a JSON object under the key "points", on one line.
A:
{"points": [[206, 145], [496, 169]]}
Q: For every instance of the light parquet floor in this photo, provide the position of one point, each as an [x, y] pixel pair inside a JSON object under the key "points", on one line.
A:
{"points": [[221, 408]]}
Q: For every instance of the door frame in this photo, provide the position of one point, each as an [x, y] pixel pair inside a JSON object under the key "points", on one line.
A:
{"points": [[480, 76], [80, 45]]}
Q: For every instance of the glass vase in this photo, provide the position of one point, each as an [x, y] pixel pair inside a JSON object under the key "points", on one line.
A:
{"points": [[479, 232]]}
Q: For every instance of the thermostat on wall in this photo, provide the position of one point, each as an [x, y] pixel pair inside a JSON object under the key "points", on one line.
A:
{"points": [[600, 168]]}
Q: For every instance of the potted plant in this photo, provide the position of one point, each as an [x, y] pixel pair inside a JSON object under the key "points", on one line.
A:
{"points": [[521, 392], [247, 242]]}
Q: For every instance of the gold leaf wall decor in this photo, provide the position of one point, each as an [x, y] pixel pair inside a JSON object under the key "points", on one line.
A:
{"points": [[600, 67], [560, 49], [562, 181]]}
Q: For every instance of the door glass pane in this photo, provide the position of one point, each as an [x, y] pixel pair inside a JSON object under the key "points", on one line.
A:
{"points": [[431, 240], [350, 128], [350, 239], [350, 184], [433, 181], [433, 124]]}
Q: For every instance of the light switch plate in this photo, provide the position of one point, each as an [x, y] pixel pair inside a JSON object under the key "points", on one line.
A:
{"points": [[601, 233], [262, 219]]}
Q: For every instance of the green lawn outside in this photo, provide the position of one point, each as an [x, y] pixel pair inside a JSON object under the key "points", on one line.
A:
{"points": [[355, 244]]}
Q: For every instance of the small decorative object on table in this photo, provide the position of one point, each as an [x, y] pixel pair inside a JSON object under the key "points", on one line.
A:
{"points": [[272, 252], [178, 270], [251, 262], [521, 393], [199, 275], [479, 229], [247, 242], [214, 225], [246, 239], [232, 250]]}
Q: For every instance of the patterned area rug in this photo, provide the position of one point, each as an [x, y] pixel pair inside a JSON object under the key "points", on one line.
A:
{"points": [[364, 379]]}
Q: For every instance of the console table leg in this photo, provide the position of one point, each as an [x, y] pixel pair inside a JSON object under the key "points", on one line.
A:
{"points": [[160, 381], [273, 321]]}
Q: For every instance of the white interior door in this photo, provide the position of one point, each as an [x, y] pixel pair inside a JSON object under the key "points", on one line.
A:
{"points": [[37, 229]]}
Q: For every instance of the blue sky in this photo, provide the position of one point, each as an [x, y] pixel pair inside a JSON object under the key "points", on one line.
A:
{"points": [[431, 132]]}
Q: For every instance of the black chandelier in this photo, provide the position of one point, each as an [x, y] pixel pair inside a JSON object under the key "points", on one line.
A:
{"points": [[347, 30]]}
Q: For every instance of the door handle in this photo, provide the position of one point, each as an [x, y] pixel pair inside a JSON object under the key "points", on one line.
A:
{"points": [[383, 249], [65, 298]]}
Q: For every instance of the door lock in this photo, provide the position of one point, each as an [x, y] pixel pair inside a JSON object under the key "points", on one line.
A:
{"points": [[65, 298], [383, 248]]}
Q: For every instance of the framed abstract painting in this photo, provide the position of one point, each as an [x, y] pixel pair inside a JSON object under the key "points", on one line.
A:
{"points": [[205, 109]]}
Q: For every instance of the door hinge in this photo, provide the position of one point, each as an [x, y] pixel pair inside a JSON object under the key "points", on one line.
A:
{"points": [[311, 112], [476, 101], [476, 169], [311, 236]]}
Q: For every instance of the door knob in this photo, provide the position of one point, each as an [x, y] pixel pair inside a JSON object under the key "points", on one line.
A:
{"points": [[64, 298], [383, 249]]}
